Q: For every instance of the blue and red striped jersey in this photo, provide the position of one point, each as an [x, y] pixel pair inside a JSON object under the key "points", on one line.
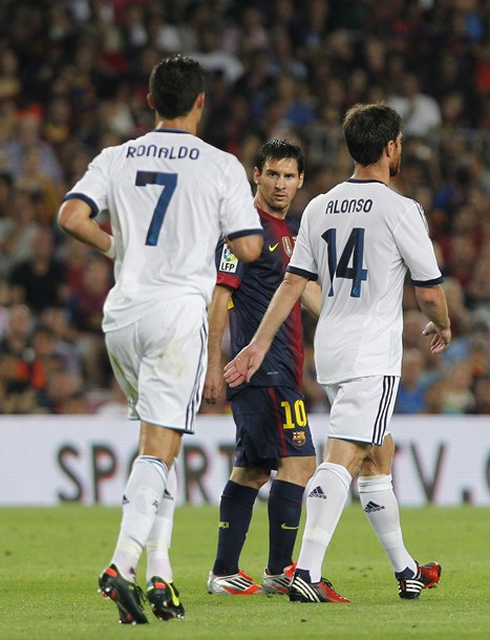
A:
{"points": [[253, 286]]}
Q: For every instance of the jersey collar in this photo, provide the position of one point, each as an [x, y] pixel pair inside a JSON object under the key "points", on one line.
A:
{"points": [[357, 181], [163, 130]]}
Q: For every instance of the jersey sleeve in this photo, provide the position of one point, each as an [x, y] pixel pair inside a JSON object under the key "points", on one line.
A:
{"points": [[92, 187], [302, 261], [239, 216], [415, 246], [229, 268]]}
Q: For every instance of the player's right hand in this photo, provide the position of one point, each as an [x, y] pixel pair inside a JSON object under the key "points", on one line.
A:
{"points": [[244, 365], [213, 384]]}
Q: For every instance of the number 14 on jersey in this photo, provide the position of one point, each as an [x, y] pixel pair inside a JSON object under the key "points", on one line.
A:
{"points": [[353, 253]]}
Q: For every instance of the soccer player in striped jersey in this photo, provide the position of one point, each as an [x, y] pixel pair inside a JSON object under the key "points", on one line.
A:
{"points": [[170, 197], [358, 240], [269, 411]]}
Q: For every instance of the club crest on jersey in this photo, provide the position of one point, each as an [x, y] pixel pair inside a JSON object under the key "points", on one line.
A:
{"points": [[228, 262], [288, 245], [299, 438]]}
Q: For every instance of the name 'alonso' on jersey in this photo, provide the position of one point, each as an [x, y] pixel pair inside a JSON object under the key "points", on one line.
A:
{"points": [[253, 286], [359, 239], [170, 197]]}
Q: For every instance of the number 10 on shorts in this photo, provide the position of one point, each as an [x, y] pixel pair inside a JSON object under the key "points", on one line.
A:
{"points": [[297, 411]]}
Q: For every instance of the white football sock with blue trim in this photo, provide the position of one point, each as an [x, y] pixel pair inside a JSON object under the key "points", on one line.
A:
{"points": [[326, 496], [141, 500], [381, 507], [160, 537]]}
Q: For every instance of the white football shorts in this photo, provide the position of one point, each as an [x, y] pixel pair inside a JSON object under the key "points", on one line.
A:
{"points": [[160, 362], [361, 408]]}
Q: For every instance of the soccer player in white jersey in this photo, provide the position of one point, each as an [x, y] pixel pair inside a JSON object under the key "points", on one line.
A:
{"points": [[170, 197], [358, 240]]}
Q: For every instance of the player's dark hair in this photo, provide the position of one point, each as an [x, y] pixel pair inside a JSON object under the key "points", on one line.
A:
{"points": [[175, 83], [278, 149], [367, 130]]}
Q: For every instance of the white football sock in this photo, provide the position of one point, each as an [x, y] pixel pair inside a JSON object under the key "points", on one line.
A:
{"points": [[159, 540], [326, 496], [381, 507], [141, 500]]}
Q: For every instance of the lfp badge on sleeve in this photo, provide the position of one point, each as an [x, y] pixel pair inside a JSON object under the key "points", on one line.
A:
{"points": [[228, 261]]}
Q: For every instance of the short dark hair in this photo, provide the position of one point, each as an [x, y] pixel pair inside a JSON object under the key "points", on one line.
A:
{"points": [[277, 149], [367, 130], [175, 83]]}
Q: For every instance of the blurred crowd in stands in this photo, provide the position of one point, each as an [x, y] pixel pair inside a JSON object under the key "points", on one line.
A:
{"points": [[73, 79]]}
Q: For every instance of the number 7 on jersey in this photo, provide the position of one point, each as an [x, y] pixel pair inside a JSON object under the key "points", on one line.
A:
{"points": [[169, 182]]}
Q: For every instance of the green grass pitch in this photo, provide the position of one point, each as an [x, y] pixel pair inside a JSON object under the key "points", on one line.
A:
{"points": [[51, 558]]}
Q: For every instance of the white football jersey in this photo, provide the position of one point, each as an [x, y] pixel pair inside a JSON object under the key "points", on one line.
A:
{"points": [[359, 239], [170, 197]]}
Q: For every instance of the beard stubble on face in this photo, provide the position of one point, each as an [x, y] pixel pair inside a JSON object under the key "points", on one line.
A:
{"points": [[395, 168]]}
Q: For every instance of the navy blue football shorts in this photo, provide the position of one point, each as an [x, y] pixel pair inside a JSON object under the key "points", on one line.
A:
{"points": [[271, 423]]}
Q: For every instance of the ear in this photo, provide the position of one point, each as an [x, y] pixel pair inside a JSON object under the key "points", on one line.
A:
{"points": [[301, 180], [149, 100], [200, 100], [256, 175], [390, 148]]}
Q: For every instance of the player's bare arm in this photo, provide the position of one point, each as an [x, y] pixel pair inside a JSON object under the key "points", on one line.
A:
{"points": [[246, 363], [74, 218], [311, 298], [246, 248], [433, 304], [218, 319]]}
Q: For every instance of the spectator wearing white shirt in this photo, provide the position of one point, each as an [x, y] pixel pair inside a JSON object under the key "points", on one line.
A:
{"points": [[420, 112]]}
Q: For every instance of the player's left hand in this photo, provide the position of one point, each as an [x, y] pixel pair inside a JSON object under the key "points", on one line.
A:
{"points": [[441, 337]]}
